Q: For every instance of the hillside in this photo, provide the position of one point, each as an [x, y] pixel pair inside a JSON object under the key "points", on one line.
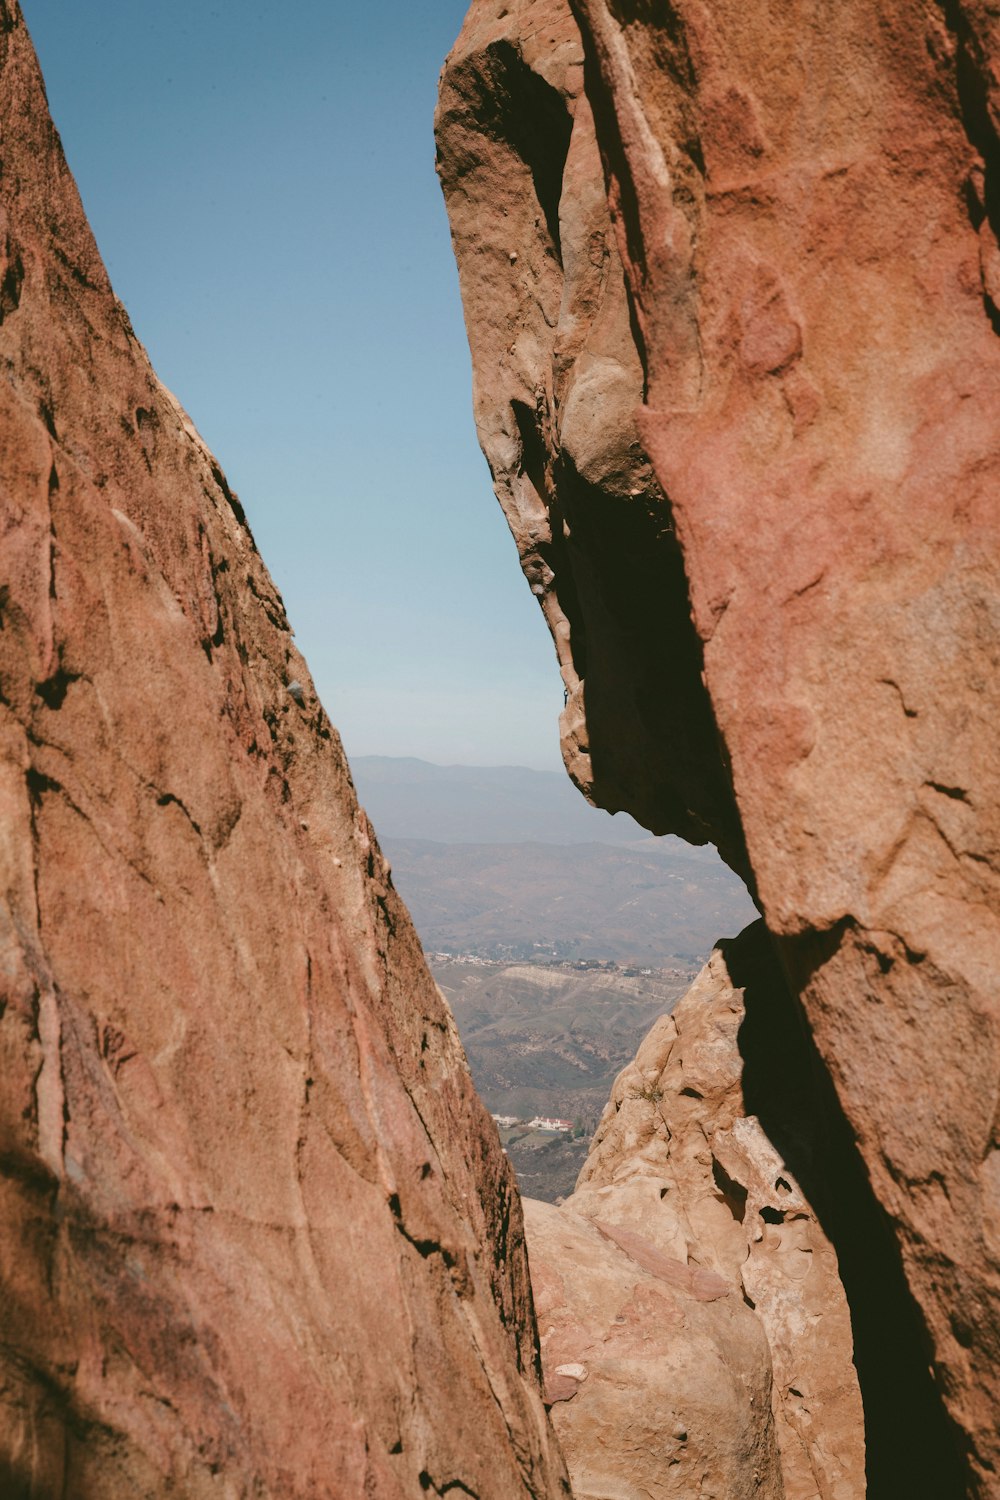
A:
{"points": [[515, 883], [650, 904], [545, 1039], [550, 1039]]}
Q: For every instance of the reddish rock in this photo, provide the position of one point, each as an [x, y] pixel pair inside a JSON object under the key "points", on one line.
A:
{"points": [[560, 1388], [805, 210], [656, 1393], [810, 251], [256, 1233]]}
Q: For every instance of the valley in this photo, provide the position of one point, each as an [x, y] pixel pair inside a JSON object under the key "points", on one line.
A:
{"points": [[557, 933], [550, 1039]]}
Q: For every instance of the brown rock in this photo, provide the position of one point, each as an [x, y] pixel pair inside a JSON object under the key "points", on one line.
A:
{"points": [[560, 1388], [556, 383], [823, 385], [805, 205], [655, 1392], [681, 1168], [256, 1234]]}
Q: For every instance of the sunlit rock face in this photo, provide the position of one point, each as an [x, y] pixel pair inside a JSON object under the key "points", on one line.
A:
{"points": [[796, 566], [257, 1236], [659, 1377], [711, 1149]]}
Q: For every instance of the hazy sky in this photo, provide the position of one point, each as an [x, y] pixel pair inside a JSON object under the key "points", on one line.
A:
{"points": [[260, 180]]}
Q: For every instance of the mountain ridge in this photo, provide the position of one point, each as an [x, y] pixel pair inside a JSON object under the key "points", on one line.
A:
{"points": [[411, 798]]}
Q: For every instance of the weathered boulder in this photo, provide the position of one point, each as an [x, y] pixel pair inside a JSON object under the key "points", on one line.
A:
{"points": [[657, 1375], [681, 1159], [257, 1236], [805, 203]]}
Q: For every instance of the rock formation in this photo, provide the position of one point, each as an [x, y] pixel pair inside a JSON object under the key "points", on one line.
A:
{"points": [[780, 632], [556, 383], [657, 1375], [681, 1159], [257, 1236]]}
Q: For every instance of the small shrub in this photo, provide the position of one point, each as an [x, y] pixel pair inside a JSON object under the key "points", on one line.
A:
{"points": [[651, 1092]]}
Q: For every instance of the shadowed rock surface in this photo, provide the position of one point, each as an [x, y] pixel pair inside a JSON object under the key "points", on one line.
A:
{"points": [[805, 208], [556, 383], [257, 1236]]}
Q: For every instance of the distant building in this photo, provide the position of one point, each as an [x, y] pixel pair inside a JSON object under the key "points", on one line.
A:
{"points": [[546, 1122], [507, 1119]]}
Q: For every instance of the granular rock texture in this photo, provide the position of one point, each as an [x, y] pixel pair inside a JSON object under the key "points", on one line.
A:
{"points": [[257, 1237], [658, 1376], [805, 205], [681, 1159]]}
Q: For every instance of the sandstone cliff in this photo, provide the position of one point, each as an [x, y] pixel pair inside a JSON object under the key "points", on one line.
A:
{"points": [[758, 500], [556, 383], [257, 1236]]}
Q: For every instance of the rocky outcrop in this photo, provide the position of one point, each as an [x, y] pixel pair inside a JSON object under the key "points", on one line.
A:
{"points": [[557, 380], [657, 1375], [257, 1236], [823, 388], [805, 211], [681, 1159]]}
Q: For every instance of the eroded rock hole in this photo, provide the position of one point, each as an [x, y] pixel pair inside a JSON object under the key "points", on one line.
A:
{"points": [[733, 1193]]}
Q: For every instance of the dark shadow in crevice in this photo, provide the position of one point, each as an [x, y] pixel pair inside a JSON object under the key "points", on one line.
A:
{"points": [[972, 69], [654, 745], [911, 1446], [733, 1194], [539, 129]]}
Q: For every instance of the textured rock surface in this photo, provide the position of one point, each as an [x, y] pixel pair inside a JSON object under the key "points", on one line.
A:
{"points": [[681, 1159], [557, 380], [811, 259], [806, 207], [658, 1376], [256, 1234]]}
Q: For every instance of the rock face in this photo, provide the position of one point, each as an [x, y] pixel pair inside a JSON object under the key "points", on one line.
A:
{"points": [[557, 380], [805, 205], [681, 1159], [257, 1236], [658, 1376]]}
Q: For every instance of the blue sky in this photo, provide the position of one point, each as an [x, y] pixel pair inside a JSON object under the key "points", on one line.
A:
{"points": [[261, 183]]}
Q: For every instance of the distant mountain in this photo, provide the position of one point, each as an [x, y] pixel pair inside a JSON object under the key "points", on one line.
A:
{"points": [[413, 799], [647, 904]]}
